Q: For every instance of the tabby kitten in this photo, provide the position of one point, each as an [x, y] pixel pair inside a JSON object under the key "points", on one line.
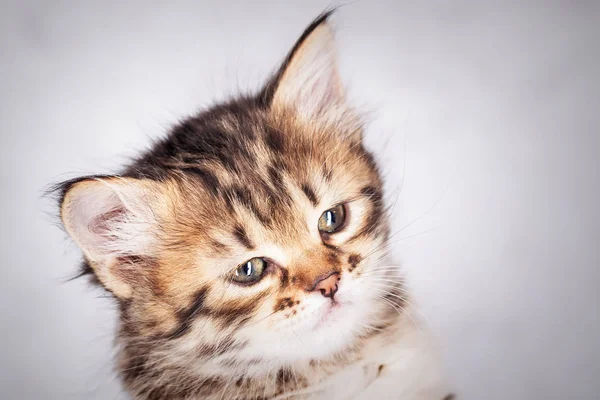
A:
{"points": [[245, 251]]}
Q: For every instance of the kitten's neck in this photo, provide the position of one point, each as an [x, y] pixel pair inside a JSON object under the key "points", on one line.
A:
{"points": [[150, 375]]}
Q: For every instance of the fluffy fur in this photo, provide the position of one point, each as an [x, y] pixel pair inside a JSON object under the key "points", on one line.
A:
{"points": [[250, 178]]}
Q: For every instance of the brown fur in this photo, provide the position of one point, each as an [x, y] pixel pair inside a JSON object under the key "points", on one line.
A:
{"points": [[225, 183]]}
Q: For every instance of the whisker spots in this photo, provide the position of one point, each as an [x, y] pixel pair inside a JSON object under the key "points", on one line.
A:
{"points": [[353, 260], [284, 303]]}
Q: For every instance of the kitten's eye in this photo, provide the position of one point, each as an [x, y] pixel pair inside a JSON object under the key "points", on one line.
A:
{"points": [[333, 219], [250, 271]]}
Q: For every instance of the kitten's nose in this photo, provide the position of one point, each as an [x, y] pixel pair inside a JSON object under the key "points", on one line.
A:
{"points": [[328, 286]]}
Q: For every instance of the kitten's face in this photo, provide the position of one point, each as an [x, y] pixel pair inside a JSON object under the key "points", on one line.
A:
{"points": [[254, 232], [281, 251]]}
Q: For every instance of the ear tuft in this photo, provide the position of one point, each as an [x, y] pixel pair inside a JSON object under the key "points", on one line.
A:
{"points": [[308, 82], [111, 220]]}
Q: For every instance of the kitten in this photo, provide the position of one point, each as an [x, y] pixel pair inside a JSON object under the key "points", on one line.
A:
{"points": [[246, 250]]}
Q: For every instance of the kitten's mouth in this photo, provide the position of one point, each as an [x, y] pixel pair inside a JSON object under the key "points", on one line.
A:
{"points": [[330, 309]]}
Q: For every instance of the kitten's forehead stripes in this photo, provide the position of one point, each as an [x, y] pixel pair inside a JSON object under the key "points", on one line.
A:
{"points": [[310, 194], [209, 180], [243, 195], [240, 234], [327, 173], [217, 245], [274, 139]]}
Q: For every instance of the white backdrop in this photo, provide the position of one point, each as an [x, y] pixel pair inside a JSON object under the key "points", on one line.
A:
{"points": [[491, 107]]}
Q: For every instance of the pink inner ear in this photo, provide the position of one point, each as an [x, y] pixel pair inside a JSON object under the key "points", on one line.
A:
{"points": [[109, 219], [100, 225], [93, 212]]}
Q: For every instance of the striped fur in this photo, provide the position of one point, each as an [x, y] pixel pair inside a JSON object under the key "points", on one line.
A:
{"points": [[248, 178]]}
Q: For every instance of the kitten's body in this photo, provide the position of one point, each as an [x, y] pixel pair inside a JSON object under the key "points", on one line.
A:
{"points": [[248, 180]]}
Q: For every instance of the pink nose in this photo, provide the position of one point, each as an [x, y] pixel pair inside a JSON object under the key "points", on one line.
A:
{"points": [[328, 286]]}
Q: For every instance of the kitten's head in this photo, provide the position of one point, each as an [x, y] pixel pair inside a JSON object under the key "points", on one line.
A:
{"points": [[254, 231]]}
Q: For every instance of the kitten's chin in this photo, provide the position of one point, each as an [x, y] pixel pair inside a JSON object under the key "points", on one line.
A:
{"points": [[330, 313], [334, 327], [323, 328]]}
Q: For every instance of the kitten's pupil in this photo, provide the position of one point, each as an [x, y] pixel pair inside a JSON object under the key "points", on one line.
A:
{"points": [[248, 268], [330, 217]]}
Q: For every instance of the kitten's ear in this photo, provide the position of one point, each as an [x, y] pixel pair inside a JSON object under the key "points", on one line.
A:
{"points": [[308, 81], [111, 219]]}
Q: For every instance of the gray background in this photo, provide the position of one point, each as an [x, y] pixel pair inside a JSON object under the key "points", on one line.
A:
{"points": [[489, 110]]}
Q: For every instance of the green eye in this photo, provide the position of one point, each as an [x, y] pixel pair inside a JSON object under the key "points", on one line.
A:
{"points": [[250, 271], [333, 219]]}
